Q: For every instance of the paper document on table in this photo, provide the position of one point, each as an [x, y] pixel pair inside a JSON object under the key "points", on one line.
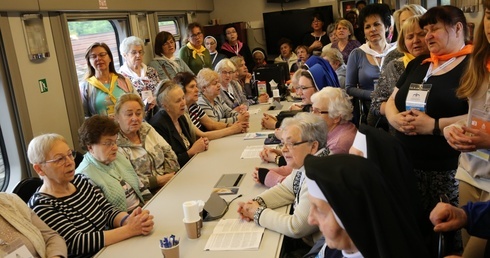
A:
{"points": [[261, 135], [235, 234], [252, 152]]}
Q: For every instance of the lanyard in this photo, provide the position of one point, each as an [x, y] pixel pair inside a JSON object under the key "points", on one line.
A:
{"points": [[214, 58], [430, 72]]}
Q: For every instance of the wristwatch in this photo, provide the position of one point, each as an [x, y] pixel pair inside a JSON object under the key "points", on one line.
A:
{"points": [[437, 130]]}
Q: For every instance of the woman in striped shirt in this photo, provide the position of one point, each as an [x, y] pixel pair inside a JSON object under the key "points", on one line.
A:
{"points": [[73, 207]]}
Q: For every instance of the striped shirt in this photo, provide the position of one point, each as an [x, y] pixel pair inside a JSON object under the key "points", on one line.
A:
{"points": [[196, 113], [79, 218], [218, 111]]}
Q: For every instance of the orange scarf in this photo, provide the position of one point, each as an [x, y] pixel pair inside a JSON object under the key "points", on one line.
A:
{"points": [[466, 50]]}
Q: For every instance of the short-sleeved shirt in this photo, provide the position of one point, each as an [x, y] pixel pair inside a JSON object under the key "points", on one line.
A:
{"points": [[196, 114]]}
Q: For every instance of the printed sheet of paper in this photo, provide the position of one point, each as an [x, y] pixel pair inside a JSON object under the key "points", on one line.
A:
{"points": [[235, 234]]}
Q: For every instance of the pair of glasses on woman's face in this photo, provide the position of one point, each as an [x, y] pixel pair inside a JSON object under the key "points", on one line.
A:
{"points": [[99, 55], [290, 145], [61, 159]]}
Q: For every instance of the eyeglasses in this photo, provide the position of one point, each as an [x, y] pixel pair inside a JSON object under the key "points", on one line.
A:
{"points": [[303, 87], [316, 21], [169, 43], [231, 32], [109, 144], [317, 111], [290, 145], [101, 55], [227, 73], [197, 35], [61, 161], [134, 52]]}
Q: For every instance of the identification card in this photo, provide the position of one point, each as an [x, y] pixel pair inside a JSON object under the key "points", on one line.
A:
{"points": [[480, 120], [417, 97], [21, 252]]}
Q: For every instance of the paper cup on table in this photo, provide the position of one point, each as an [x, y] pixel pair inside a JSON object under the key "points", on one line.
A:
{"points": [[275, 93], [171, 252], [192, 228], [191, 211]]}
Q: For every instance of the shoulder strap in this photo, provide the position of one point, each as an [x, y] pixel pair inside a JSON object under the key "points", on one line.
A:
{"points": [[166, 72]]}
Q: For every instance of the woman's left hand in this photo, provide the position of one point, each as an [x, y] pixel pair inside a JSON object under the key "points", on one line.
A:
{"points": [[422, 123], [247, 210]]}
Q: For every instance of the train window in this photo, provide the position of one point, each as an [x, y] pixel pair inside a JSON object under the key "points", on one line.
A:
{"points": [[83, 33], [170, 24]]}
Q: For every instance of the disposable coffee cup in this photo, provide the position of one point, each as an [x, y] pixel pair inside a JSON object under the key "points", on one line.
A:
{"points": [[191, 210], [200, 219], [171, 252], [192, 228]]}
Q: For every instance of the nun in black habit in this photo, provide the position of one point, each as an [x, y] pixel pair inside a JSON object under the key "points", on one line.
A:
{"points": [[358, 212]]}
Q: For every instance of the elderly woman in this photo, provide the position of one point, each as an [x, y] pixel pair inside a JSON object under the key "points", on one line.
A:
{"points": [[145, 79], [244, 79], [419, 123], [231, 91], [211, 44], [107, 168], [346, 41], [287, 55], [188, 83], [194, 54], [102, 85], [259, 57], [302, 134], [331, 35], [303, 54], [151, 156], [366, 62], [356, 210], [318, 37], [234, 47], [335, 108], [20, 225], [411, 42], [166, 63], [174, 124], [87, 221], [335, 59], [211, 102]]}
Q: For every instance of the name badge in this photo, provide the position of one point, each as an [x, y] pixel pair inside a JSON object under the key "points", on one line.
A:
{"points": [[417, 96]]}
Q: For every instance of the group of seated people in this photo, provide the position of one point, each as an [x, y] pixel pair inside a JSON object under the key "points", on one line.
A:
{"points": [[381, 196]]}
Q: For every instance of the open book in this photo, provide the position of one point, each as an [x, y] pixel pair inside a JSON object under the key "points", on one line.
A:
{"points": [[235, 234]]}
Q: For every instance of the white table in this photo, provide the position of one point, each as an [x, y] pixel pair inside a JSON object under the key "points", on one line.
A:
{"points": [[195, 182]]}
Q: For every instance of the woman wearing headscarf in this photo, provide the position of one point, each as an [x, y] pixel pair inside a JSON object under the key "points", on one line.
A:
{"points": [[234, 47], [419, 120], [194, 54], [166, 63], [356, 210], [211, 44], [259, 57]]}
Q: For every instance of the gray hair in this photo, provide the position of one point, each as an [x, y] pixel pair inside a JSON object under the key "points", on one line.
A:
{"points": [[225, 63], [128, 42], [333, 54], [312, 127], [164, 90], [40, 146], [205, 77], [339, 103]]}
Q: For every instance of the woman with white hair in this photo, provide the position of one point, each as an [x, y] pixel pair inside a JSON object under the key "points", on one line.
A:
{"points": [[302, 135], [335, 108], [211, 102], [231, 92], [144, 78], [73, 207]]}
